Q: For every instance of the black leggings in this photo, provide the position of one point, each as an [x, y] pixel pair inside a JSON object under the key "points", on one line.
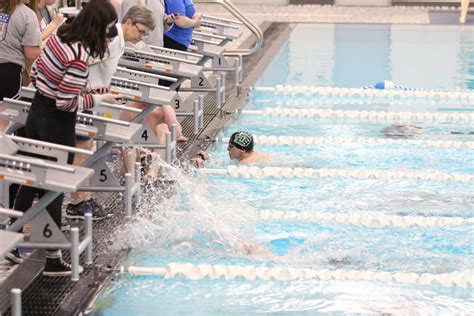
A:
{"points": [[10, 80], [168, 42], [45, 122], [10, 83]]}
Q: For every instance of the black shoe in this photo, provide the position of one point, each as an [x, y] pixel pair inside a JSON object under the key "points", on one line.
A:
{"points": [[56, 267], [90, 206], [14, 257]]}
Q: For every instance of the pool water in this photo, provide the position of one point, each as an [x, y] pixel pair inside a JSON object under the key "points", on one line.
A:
{"points": [[212, 216]]}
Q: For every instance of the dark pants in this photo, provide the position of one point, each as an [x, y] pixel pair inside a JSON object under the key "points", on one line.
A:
{"points": [[10, 80], [10, 83], [171, 44], [45, 122]]}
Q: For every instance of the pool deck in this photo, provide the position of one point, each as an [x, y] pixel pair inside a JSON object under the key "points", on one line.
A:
{"points": [[60, 296]]}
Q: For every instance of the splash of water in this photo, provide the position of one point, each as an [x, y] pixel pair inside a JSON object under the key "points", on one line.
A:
{"points": [[181, 212]]}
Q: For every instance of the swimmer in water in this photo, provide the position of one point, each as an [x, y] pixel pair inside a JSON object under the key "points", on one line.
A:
{"points": [[241, 148], [408, 131], [401, 131]]}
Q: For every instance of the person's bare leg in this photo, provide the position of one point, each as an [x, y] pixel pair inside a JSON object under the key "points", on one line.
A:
{"points": [[3, 123], [129, 155], [129, 159], [170, 118], [160, 132], [78, 197], [165, 114], [155, 118]]}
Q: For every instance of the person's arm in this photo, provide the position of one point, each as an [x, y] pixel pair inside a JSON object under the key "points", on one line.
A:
{"points": [[69, 91], [178, 8], [31, 39], [168, 22], [31, 52], [185, 22], [58, 20]]}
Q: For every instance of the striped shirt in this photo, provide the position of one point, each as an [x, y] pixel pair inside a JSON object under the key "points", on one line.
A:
{"points": [[61, 73]]}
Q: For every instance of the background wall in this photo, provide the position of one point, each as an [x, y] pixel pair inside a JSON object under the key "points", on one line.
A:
{"points": [[260, 2], [343, 2]]}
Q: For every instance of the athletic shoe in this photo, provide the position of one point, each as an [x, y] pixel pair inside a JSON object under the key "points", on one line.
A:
{"points": [[14, 257], [90, 206], [56, 267]]}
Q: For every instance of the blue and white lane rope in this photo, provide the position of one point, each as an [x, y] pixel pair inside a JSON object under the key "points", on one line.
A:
{"points": [[231, 272], [459, 96], [288, 173], [307, 141], [367, 219], [370, 116]]}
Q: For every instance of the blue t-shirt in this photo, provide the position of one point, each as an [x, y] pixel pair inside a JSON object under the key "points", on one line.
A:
{"points": [[184, 8]]}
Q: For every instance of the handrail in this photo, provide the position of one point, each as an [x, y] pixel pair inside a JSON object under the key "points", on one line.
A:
{"points": [[249, 24]]}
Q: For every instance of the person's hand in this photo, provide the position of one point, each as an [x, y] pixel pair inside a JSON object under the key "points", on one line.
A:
{"points": [[200, 158], [110, 96], [169, 19], [197, 19], [99, 90], [203, 154], [58, 20]]}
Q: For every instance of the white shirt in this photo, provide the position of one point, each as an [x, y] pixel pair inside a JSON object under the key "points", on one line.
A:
{"points": [[100, 74]]}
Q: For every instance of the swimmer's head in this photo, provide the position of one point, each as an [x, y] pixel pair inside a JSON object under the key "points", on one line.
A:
{"points": [[240, 144], [242, 140]]}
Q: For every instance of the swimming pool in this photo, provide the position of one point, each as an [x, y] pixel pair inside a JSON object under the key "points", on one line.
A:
{"points": [[212, 217]]}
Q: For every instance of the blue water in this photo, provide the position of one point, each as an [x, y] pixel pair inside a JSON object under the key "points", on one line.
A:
{"points": [[203, 221]]}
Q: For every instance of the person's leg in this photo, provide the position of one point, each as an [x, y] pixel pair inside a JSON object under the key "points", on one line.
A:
{"points": [[153, 168], [83, 202], [130, 155], [57, 127], [165, 114], [160, 132], [172, 44], [170, 118], [77, 197], [10, 84], [48, 124]]}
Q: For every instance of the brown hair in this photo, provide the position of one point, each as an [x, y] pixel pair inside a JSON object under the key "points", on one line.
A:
{"points": [[8, 6], [33, 5], [90, 27]]}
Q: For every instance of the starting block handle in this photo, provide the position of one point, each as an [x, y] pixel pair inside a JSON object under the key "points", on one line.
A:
{"points": [[38, 162], [121, 69]]}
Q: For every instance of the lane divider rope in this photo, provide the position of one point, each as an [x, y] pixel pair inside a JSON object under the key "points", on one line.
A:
{"points": [[373, 116], [367, 219], [288, 173], [461, 96], [298, 101], [231, 272], [300, 140]]}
